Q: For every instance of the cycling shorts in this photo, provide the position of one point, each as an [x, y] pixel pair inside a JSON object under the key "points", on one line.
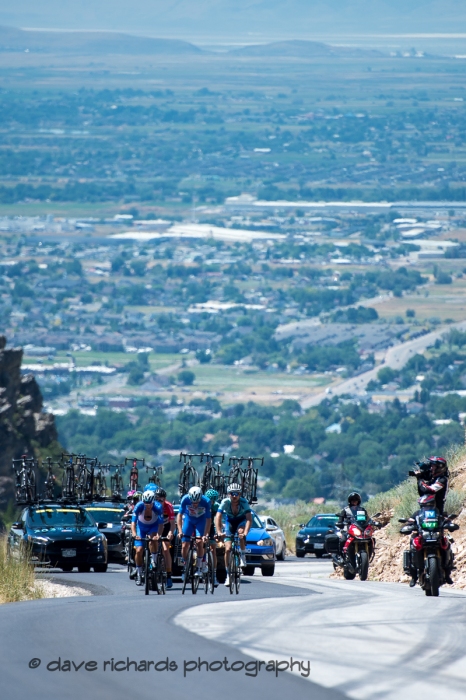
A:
{"points": [[232, 525], [142, 532], [195, 526]]}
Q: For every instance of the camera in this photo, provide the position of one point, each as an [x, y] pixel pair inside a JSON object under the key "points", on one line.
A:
{"points": [[424, 468]]}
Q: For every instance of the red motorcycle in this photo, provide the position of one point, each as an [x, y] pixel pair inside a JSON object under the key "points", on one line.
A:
{"points": [[354, 550]]}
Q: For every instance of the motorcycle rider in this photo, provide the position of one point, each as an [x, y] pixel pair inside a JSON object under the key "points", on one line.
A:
{"points": [[432, 481], [348, 515]]}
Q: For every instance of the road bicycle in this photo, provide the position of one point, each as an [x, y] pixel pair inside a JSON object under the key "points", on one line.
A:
{"points": [[191, 565], [68, 484], [100, 482], [250, 478], [134, 473], [155, 576], [211, 474], [209, 576], [49, 483], [116, 481], [234, 565], [155, 475], [188, 474], [25, 482], [85, 477]]}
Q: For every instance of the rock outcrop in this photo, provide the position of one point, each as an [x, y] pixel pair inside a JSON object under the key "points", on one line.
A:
{"points": [[24, 428]]}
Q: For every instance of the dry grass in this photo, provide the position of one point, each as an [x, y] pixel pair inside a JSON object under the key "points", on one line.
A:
{"points": [[17, 578]]}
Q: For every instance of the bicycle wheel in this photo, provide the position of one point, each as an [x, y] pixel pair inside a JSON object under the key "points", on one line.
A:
{"points": [[188, 572], [195, 580], [31, 486], [160, 576], [210, 574], [232, 570], [237, 573], [147, 563]]}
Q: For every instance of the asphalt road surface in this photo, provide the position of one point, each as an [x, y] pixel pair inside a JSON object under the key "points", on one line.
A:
{"points": [[120, 623], [351, 639]]}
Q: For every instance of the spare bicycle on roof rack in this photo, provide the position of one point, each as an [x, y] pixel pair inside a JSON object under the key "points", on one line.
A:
{"points": [[134, 473]]}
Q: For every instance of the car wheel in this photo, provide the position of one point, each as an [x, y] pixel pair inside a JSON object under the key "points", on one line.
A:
{"points": [[268, 570], [299, 554], [84, 568], [100, 568], [67, 567], [282, 555], [249, 570]]}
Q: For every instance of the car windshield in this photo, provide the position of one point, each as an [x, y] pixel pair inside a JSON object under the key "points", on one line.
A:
{"points": [[256, 522], [322, 521], [59, 517], [106, 515]]}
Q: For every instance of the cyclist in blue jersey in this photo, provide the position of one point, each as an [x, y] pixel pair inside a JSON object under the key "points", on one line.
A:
{"points": [[147, 520], [238, 519], [194, 518]]}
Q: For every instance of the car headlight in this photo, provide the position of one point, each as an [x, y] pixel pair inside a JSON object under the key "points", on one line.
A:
{"points": [[97, 539], [266, 542], [38, 540]]}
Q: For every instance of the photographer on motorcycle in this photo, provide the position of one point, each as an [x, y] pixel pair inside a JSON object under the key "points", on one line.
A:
{"points": [[432, 485]]}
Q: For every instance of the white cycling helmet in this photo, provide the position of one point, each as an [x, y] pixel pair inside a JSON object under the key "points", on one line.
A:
{"points": [[234, 488], [195, 494], [148, 496]]}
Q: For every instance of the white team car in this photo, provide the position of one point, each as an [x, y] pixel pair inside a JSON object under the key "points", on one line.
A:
{"points": [[277, 534]]}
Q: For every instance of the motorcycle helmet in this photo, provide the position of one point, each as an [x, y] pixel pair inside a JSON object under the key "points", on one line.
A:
{"points": [[195, 494], [439, 465], [160, 493], [352, 496], [148, 497], [427, 501], [212, 494]]}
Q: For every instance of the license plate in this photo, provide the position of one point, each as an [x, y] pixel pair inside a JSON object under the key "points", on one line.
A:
{"points": [[318, 546], [68, 552]]}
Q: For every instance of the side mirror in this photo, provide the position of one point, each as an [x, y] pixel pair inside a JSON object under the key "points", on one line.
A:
{"points": [[270, 527], [17, 526], [302, 524], [452, 517], [377, 515], [102, 526], [402, 520]]}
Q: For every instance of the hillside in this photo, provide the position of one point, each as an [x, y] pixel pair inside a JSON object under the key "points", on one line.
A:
{"points": [[90, 43], [24, 428], [220, 18], [301, 49]]}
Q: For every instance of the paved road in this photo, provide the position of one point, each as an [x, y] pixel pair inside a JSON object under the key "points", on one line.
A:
{"points": [[395, 357], [121, 623]]}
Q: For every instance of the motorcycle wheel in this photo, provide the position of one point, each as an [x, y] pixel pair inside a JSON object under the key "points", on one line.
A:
{"points": [[434, 576], [363, 566], [348, 575]]}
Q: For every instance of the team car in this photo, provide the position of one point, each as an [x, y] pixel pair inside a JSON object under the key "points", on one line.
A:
{"points": [[108, 515], [277, 534], [59, 536], [311, 537]]}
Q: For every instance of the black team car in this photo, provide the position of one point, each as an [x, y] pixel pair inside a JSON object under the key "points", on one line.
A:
{"points": [[311, 537], [108, 515], [61, 536]]}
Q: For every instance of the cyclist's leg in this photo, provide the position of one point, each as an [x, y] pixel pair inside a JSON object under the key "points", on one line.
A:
{"points": [[167, 555], [200, 528], [242, 541], [229, 535], [189, 529]]}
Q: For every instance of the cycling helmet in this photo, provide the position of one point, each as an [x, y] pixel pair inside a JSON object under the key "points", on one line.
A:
{"points": [[195, 494], [148, 497], [150, 487], [427, 500], [233, 488], [212, 494], [439, 465], [130, 494], [352, 496], [137, 495], [160, 493]]}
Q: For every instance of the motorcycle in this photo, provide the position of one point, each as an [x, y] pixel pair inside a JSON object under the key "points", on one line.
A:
{"points": [[354, 550], [430, 553]]}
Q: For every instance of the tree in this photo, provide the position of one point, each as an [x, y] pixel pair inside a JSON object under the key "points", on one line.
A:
{"points": [[186, 377]]}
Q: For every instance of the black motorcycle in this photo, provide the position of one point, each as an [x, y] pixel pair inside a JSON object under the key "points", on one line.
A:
{"points": [[430, 555]]}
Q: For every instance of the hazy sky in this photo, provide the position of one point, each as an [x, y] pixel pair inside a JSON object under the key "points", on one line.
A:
{"points": [[240, 18]]}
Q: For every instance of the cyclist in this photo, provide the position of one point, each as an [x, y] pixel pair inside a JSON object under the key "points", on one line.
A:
{"points": [[238, 519], [212, 495], [147, 520], [168, 529], [132, 497], [194, 518]]}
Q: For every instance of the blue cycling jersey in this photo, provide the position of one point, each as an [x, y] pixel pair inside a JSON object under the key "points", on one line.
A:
{"points": [[156, 514], [201, 509]]}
